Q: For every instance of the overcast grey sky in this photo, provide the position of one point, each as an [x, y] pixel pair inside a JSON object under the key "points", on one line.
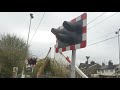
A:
{"points": [[18, 23]]}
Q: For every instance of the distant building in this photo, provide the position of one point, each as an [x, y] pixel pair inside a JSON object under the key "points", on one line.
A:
{"points": [[109, 70], [89, 69]]}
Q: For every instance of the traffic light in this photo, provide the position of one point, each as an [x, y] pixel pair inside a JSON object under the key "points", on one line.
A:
{"points": [[62, 35], [75, 30], [71, 33]]}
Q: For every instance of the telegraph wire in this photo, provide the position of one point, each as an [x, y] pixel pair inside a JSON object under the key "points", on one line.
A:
{"points": [[103, 40], [96, 18], [103, 36], [102, 21]]}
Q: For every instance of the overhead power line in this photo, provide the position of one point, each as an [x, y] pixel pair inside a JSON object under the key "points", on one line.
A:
{"points": [[96, 18], [103, 40], [102, 36], [102, 21], [38, 26]]}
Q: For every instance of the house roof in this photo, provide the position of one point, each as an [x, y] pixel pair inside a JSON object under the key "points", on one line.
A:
{"points": [[84, 65], [107, 67]]}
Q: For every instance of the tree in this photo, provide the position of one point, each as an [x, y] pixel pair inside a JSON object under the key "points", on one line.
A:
{"points": [[13, 52]]}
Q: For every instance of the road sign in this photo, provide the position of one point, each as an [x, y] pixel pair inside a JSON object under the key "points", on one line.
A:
{"points": [[71, 35]]}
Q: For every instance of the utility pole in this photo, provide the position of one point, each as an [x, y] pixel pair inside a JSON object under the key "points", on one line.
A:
{"points": [[31, 17], [117, 32], [73, 64]]}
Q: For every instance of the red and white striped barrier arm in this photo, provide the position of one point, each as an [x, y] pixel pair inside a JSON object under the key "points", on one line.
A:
{"points": [[76, 68]]}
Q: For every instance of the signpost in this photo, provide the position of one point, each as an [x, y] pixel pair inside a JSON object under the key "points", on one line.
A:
{"points": [[71, 36], [73, 64]]}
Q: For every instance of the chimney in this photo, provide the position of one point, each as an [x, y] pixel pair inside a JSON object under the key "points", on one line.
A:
{"points": [[92, 62], [87, 59], [103, 64], [86, 62], [110, 62]]}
